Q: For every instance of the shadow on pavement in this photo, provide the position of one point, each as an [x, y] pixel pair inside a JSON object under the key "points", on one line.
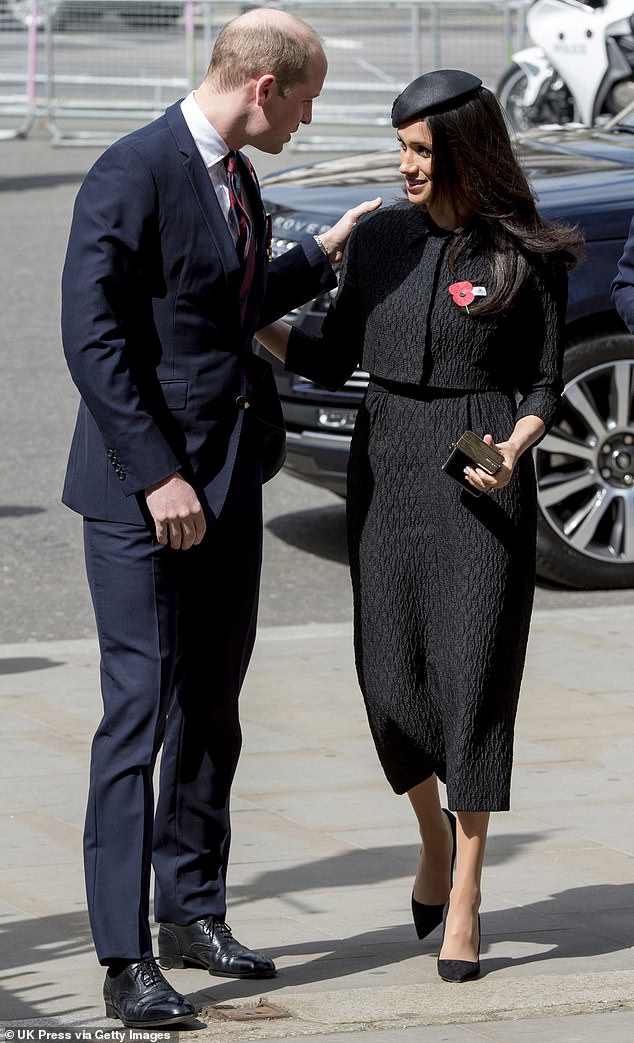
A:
{"points": [[362, 868], [16, 511], [24, 664], [320, 531], [34, 182], [573, 924], [29, 944]]}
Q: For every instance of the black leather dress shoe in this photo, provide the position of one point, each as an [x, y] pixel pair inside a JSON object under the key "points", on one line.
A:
{"points": [[209, 943], [141, 997]]}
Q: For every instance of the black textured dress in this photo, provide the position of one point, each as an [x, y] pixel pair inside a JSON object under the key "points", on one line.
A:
{"points": [[443, 581]]}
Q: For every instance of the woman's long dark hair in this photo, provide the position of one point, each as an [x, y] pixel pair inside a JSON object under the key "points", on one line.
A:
{"points": [[475, 171]]}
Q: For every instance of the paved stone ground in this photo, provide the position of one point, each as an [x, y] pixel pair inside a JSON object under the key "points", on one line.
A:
{"points": [[324, 853]]}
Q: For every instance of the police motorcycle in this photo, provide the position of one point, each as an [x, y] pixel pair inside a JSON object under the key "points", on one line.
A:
{"points": [[580, 69]]}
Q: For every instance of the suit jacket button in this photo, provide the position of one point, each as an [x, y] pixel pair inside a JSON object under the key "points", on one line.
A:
{"points": [[242, 402]]}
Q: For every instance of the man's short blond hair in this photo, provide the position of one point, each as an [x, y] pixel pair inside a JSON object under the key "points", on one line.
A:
{"points": [[248, 47]]}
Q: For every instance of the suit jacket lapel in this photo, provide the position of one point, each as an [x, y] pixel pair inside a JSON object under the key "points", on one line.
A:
{"points": [[203, 190], [215, 222]]}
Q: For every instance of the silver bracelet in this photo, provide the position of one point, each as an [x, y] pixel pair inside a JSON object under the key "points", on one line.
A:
{"points": [[320, 244]]}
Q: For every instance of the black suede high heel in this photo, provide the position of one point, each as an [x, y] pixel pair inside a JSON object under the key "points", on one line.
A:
{"points": [[458, 970], [427, 917]]}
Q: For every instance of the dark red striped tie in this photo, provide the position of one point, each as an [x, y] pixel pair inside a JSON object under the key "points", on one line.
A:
{"points": [[242, 227]]}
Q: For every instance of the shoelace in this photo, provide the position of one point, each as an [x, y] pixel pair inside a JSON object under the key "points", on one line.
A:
{"points": [[212, 926], [149, 973]]}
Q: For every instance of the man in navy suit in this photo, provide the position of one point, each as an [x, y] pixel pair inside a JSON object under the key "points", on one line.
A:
{"points": [[166, 466]]}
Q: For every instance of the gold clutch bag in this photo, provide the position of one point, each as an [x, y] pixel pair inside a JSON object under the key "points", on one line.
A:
{"points": [[471, 451]]}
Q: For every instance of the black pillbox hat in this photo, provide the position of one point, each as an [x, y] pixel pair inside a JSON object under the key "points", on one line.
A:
{"points": [[433, 92]]}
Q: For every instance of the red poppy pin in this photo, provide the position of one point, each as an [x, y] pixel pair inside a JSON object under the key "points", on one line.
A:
{"points": [[464, 293]]}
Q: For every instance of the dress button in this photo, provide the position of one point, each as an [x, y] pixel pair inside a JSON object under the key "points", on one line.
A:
{"points": [[242, 402]]}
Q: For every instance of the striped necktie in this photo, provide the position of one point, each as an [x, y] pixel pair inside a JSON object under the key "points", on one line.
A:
{"points": [[242, 227]]}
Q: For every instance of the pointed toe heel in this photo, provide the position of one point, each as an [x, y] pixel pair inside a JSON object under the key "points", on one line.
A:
{"points": [[459, 970], [427, 917]]}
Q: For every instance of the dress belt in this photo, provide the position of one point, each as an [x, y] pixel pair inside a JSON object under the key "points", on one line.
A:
{"points": [[425, 393]]}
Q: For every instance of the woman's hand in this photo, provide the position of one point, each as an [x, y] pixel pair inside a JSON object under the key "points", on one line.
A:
{"points": [[527, 430], [487, 482]]}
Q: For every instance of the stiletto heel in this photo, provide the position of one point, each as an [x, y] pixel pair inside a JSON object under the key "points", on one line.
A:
{"points": [[458, 970], [427, 917]]}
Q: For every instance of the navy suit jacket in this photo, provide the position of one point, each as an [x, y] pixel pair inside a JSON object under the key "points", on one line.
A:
{"points": [[151, 326], [622, 289]]}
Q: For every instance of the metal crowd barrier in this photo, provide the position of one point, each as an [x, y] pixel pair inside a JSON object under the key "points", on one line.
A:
{"points": [[18, 71], [376, 47], [92, 68], [112, 63]]}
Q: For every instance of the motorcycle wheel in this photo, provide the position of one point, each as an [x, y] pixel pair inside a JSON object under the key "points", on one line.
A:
{"points": [[585, 471], [510, 94], [622, 94]]}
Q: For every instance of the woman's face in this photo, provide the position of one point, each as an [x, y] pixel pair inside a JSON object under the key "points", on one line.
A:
{"points": [[416, 157]]}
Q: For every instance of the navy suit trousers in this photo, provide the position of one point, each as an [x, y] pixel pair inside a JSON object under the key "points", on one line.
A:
{"points": [[176, 630]]}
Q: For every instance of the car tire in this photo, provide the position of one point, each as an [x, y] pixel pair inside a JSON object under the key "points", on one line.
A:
{"points": [[585, 470]]}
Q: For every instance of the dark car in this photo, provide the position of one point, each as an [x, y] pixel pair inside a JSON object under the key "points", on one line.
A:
{"points": [[585, 466]]}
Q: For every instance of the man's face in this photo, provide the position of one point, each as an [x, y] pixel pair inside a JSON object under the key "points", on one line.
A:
{"points": [[284, 114]]}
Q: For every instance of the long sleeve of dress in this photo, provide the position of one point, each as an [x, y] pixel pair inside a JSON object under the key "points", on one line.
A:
{"points": [[330, 358], [540, 381]]}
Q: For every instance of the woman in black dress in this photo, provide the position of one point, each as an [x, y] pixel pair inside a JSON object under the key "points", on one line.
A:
{"points": [[454, 302]]}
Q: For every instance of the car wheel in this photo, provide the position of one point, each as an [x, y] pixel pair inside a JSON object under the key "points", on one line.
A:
{"points": [[585, 470]]}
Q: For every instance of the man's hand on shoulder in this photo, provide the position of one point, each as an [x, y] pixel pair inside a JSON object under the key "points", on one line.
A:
{"points": [[177, 512], [334, 239]]}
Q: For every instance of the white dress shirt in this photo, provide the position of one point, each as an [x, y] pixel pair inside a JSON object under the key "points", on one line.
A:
{"points": [[212, 149]]}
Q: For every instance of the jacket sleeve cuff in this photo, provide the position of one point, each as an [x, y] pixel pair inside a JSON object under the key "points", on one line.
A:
{"points": [[544, 404], [137, 478]]}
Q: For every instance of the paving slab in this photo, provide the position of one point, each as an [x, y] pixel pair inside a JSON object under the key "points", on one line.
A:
{"points": [[324, 853]]}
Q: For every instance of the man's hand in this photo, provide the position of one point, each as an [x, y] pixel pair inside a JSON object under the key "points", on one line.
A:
{"points": [[177, 513], [336, 237]]}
